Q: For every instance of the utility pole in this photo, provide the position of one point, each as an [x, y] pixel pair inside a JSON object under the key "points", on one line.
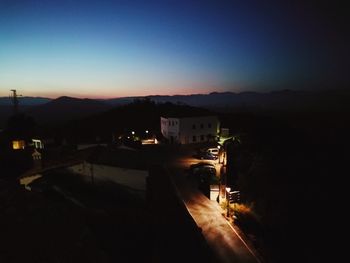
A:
{"points": [[14, 97]]}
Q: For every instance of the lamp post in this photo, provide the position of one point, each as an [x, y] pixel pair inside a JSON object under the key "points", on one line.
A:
{"points": [[228, 201], [223, 176], [219, 153]]}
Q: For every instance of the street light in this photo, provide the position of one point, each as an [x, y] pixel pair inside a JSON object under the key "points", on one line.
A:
{"points": [[219, 153], [228, 189], [132, 132], [146, 131]]}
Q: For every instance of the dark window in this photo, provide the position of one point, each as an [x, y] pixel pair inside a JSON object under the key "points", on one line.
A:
{"points": [[202, 125], [194, 139], [209, 125], [194, 126], [202, 137]]}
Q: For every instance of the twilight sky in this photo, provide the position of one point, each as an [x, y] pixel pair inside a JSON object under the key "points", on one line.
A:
{"points": [[125, 48]]}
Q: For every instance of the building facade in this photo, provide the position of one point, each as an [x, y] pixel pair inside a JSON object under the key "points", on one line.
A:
{"points": [[186, 130]]}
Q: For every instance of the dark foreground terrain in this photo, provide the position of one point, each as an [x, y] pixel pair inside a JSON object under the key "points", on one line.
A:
{"points": [[287, 165], [66, 218]]}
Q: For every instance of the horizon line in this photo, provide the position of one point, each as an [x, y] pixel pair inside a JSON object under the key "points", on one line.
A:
{"points": [[76, 96], [164, 95]]}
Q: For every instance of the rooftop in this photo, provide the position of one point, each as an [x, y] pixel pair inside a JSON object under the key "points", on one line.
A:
{"points": [[192, 114]]}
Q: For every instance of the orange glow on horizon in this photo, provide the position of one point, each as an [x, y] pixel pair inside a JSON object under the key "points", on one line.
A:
{"points": [[119, 94]]}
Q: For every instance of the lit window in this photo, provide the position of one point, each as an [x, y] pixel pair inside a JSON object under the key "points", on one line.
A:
{"points": [[16, 145]]}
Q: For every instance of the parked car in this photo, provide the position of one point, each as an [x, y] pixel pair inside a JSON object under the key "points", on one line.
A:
{"points": [[203, 173], [202, 167], [205, 156], [213, 151]]}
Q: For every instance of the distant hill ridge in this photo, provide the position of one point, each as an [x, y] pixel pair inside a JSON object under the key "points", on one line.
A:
{"points": [[27, 101], [222, 99], [65, 108], [275, 100]]}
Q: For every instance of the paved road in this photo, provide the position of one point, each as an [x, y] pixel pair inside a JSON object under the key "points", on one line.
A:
{"points": [[208, 215]]}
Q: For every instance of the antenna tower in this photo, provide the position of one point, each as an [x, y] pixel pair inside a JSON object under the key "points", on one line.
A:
{"points": [[15, 102]]}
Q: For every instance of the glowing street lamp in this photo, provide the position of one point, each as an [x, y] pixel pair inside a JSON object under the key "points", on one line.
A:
{"points": [[133, 133], [147, 131], [228, 189], [219, 153]]}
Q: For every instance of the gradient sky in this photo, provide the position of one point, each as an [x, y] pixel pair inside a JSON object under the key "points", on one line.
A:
{"points": [[125, 48]]}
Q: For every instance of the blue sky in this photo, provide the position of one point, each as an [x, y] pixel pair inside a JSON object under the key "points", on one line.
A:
{"points": [[125, 48]]}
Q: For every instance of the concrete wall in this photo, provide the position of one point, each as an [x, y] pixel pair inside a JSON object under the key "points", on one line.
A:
{"points": [[130, 177]]}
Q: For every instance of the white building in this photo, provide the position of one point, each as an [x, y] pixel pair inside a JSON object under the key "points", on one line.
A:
{"points": [[190, 129]]}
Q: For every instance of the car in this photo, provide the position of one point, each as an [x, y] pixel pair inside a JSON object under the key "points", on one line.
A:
{"points": [[203, 154], [202, 168], [203, 174], [213, 151], [207, 156]]}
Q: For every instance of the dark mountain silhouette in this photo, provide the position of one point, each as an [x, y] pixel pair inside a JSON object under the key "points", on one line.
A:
{"points": [[27, 101], [5, 113], [7, 110], [121, 101], [275, 100], [286, 100], [66, 108]]}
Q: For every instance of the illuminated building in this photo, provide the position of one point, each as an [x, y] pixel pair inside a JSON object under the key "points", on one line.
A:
{"points": [[187, 129]]}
